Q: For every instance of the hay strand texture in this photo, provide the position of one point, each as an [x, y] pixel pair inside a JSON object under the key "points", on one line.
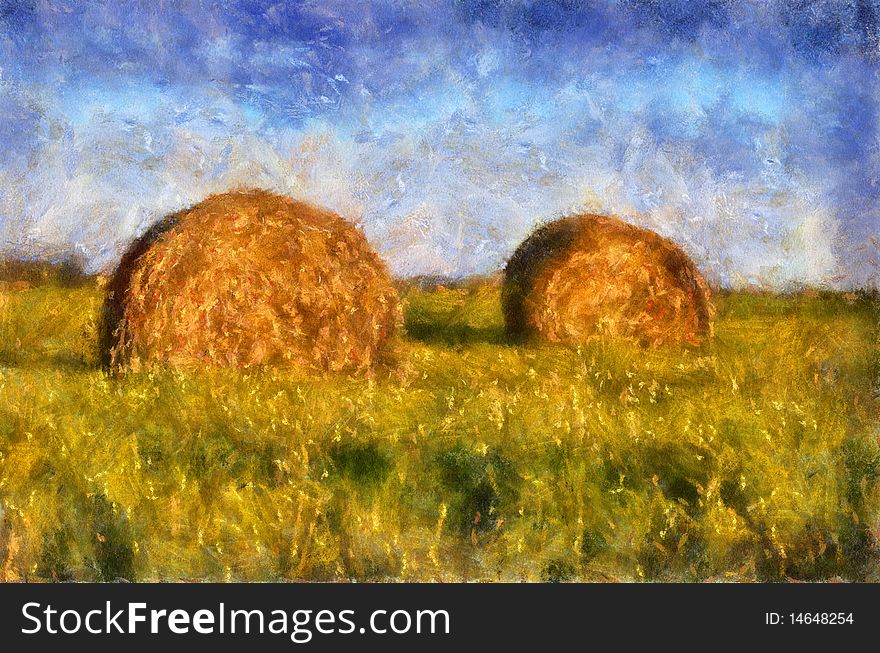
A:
{"points": [[587, 276], [249, 278]]}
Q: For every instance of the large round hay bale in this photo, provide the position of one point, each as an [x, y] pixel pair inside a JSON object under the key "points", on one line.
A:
{"points": [[249, 278], [589, 276]]}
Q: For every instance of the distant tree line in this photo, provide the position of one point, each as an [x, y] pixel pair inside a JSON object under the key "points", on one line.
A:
{"points": [[67, 272]]}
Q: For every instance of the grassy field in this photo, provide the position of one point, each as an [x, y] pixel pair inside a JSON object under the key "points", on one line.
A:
{"points": [[753, 458]]}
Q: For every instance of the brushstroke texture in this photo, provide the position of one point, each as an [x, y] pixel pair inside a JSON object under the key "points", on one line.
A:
{"points": [[745, 131]]}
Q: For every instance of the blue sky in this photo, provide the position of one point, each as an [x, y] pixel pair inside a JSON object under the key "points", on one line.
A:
{"points": [[745, 131]]}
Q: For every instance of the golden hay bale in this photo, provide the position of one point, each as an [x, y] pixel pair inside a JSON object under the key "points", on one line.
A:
{"points": [[589, 276], [249, 278]]}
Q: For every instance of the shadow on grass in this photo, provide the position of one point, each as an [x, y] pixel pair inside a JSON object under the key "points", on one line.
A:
{"points": [[454, 315], [452, 335], [61, 361]]}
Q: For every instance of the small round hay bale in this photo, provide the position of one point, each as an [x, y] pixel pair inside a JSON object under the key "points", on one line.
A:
{"points": [[589, 276], [249, 278]]}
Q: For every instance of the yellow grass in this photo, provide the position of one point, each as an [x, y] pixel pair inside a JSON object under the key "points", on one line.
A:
{"points": [[753, 457]]}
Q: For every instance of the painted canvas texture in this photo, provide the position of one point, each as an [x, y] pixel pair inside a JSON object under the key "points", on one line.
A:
{"points": [[442, 290]]}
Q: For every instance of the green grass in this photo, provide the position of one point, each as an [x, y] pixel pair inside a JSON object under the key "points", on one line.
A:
{"points": [[755, 457]]}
